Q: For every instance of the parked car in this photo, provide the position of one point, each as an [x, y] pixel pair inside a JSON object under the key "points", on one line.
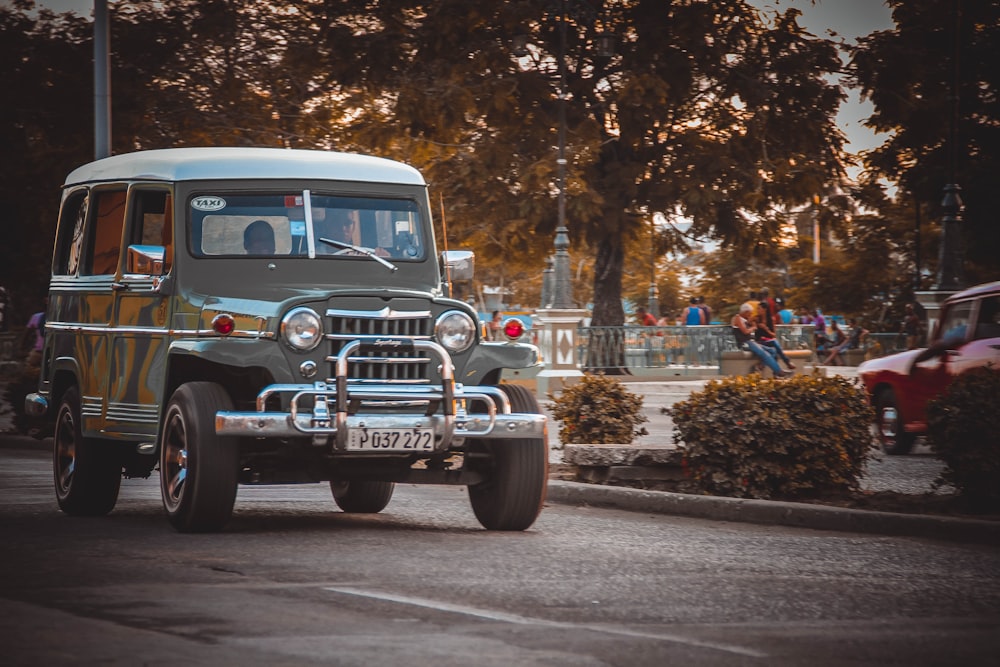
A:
{"points": [[899, 386], [267, 316]]}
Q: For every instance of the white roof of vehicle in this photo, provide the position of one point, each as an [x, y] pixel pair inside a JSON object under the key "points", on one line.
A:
{"points": [[196, 164]]}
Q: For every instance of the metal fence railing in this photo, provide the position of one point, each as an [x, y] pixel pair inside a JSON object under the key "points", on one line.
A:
{"points": [[659, 347]]}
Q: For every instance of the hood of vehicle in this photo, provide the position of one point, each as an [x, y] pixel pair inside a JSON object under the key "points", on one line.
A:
{"points": [[895, 363]]}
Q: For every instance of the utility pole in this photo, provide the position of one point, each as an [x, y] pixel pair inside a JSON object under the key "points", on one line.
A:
{"points": [[102, 81]]}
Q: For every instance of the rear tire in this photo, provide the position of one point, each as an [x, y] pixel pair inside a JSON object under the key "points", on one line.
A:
{"points": [[517, 473], [889, 425], [87, 471], [362, 497], [199, 470]]}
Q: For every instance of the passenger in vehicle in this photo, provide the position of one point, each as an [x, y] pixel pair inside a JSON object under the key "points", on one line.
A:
{"points": [[258, 238]]}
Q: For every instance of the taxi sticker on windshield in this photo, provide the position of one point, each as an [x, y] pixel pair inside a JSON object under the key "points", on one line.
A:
{"points": [[208, 203]]}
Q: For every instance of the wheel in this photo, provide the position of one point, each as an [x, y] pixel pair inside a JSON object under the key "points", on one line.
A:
{"points": [[199, 470], [362, 497], [517, 473], [87, 472], [889, 425]]}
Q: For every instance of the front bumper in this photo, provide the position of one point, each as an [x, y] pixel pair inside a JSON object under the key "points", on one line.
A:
{"points": [[334, 408]]}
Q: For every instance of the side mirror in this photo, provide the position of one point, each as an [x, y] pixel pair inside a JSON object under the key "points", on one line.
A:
{"points": [[458, 265], [145, 260]]}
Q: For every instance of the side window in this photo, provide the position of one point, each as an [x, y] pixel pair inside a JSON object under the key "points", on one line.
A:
{"points": [[106, 239], [69, 244], [152, 222], [988, 322], [955, 324]]}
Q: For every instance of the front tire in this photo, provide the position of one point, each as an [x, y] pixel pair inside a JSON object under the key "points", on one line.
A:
{"points": [[87, 472], [889, 425], [517, 473], [199, 470], [362, 497]]}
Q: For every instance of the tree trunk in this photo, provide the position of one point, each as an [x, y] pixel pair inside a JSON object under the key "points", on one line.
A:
{"points": [[608, 266], [606, 351]]}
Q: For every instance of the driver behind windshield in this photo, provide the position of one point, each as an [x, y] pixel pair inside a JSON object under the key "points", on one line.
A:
{"points": [[339, 225]]}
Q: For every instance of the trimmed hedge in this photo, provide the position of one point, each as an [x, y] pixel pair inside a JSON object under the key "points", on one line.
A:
{"points": [[963, 430], [747, 437], [598, 410]]}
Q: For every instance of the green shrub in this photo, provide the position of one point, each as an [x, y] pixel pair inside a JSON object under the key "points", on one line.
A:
{"points": [[598, 410], [748, 437], [963, 428]]}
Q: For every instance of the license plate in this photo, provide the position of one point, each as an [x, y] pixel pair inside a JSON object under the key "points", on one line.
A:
{"points": [[391, 439]]}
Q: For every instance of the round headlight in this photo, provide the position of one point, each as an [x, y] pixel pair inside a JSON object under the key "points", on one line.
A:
{"points": [[455, 331], [302, 329]]}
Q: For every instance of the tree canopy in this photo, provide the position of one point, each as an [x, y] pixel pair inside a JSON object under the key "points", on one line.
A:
{"points": [[934, 84], [707, 111]]}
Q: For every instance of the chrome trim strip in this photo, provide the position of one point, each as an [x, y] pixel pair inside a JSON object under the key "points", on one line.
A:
{"points": [[201, 333], [381, 360], [372, 337], [386, 313]]}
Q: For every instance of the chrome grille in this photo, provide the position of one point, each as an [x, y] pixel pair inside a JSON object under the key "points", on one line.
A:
{"points": [[409, 367]]}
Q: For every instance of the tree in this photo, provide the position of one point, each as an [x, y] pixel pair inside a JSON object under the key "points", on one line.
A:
{"points": [[703, 109], [936, 66], [45, 131]]}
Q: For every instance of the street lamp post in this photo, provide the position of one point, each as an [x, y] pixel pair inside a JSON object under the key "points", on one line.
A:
{"points": [[562, 287], [653, 303], [950, 276], [558, 317]]}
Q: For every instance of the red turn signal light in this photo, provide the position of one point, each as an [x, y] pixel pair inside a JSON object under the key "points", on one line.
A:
{"points": [[513, 328], [223, 324]]}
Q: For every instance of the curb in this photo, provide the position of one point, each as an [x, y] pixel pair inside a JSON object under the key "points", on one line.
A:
{"points": [[771, 512]]}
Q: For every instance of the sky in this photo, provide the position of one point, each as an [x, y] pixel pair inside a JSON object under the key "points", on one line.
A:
{"points": [[848, 18]]}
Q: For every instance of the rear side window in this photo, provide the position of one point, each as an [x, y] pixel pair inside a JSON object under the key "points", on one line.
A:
{"points": [[72, 224], [106, 238], [151, 221]]}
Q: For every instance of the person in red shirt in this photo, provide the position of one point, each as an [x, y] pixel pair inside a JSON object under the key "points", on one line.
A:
{"points": [[646, 319]]}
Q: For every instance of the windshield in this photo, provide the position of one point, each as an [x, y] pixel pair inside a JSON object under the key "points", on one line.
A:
{"points": [[293, 224]]}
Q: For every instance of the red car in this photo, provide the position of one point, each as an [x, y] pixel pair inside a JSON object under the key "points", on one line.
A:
{"points": [[899, 386]]}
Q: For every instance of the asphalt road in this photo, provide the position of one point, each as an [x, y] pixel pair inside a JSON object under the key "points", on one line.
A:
{"points": [[293, 581]]}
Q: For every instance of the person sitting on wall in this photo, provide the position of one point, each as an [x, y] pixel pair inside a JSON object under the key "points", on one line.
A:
{"points": [[743, 326], [855, 337]]}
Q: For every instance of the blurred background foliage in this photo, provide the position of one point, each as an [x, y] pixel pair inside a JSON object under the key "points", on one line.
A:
{"points": [[711, 120]]}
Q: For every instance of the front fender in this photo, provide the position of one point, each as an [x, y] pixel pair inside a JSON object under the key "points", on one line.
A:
{"points": [[239, 353], [488, 358]]}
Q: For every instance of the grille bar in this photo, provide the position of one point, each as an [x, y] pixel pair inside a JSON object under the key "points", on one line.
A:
{"points": [[402, 366]]}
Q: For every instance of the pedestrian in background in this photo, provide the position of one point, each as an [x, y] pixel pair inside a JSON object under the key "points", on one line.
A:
{"points": [[765, 333], [743, 328], [819, 330], [494, 327], [855, 337], [645, 318], [33, 338], [4, 300], [693, 315], [706, 311], [785, 314], [912, 327]]}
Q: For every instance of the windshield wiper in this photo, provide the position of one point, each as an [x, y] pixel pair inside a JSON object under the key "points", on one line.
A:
{"points": [[361, 251]]}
